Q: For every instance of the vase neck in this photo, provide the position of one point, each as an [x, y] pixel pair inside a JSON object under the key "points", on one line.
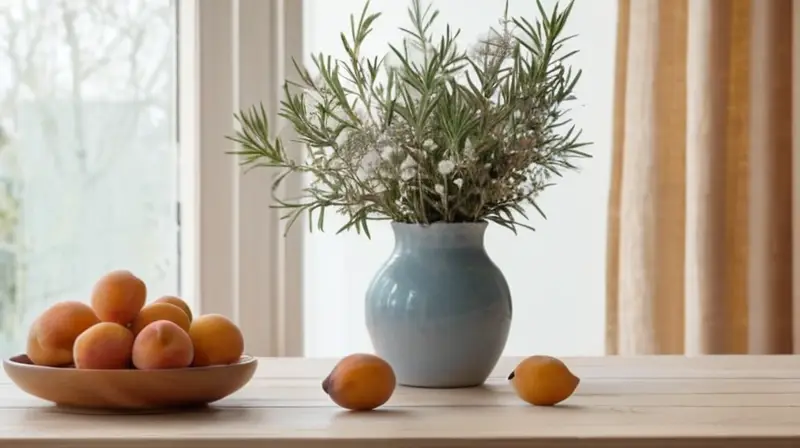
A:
{"points": [[439, 236]]}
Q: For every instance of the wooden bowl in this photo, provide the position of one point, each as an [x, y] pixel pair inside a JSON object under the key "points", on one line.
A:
{"points": [[130, 389]]}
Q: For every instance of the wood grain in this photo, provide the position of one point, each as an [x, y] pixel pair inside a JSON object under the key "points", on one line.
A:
{"points": [[645, 402]]}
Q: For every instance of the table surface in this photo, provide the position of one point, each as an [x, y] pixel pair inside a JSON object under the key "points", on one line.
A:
{"points": [[722, 401]]}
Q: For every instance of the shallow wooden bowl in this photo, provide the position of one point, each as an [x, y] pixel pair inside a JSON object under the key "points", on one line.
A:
{"points": [[130, 389]]}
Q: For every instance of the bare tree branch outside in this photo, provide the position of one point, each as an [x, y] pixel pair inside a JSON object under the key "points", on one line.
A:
{"points": [[88, 154]]}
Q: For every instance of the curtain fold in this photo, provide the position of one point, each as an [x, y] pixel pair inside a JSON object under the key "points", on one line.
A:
{"points": [[700, 212]]}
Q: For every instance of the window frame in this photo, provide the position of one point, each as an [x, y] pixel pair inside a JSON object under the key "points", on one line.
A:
{"points": [[236, 261]]}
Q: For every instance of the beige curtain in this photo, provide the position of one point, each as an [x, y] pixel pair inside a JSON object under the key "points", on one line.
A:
{"points": [[700, 245]]}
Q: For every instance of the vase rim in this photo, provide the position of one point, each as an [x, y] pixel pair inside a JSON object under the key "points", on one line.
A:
{"points": [[440, 224]]}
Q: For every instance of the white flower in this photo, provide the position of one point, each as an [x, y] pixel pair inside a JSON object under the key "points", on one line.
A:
{"points": [[439, 189], [469, 151], [408, 169], [446, 167], [384, 148], [459, 182], [408, 174], [408, 163], [429, 144], [386, 152]]}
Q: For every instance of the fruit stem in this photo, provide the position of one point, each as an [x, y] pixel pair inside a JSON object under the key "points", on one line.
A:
{"points": [[326, 384], [511, 376]]}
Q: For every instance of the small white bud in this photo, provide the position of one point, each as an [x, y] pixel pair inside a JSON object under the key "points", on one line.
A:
{"points": [[446, 167], [408, 169], [459, 182], [469, 153], [429, 144], [386, 152], [409, 162], [439, 189]]}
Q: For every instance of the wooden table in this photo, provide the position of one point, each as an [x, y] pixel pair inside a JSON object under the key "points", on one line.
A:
{"points": [[729, 402]]}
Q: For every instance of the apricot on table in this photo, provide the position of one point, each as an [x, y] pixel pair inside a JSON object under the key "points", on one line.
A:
{"points": [[118, 296], [177, 301], [162, 345], [217, 340], [160, 311], [360, 382], [52, 335], [543, 380], [104, 346]]}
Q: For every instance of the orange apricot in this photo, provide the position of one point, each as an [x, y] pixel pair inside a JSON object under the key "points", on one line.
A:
{"points": [[217, 340], [543, 380], [177, 301], [52, 335], [360, 382], [162, 345], [118, 296], [160, 311], [106, 345]]}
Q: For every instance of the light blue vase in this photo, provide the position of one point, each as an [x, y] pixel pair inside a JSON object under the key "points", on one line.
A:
{"points": [[439, 309]]}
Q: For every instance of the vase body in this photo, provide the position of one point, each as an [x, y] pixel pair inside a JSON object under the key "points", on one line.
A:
{"points": [[439, 310]]}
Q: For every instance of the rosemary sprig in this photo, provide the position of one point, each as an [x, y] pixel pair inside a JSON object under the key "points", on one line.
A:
{"points": [[440, 134]]}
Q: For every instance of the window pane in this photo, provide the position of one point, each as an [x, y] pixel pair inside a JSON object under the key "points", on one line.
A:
{"points": [[556, 274], [88, 159]]}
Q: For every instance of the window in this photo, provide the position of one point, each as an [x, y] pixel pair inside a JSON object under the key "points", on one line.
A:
{"points": [[556, 274], [88, 154]]}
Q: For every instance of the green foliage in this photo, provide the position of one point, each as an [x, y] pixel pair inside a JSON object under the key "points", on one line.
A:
{"points": [[440, 134]]}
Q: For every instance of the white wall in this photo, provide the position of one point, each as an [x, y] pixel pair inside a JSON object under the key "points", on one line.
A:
{"points": [[557, 273]]}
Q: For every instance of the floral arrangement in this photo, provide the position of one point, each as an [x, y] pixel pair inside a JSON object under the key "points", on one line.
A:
{"points": [[430, 133]]}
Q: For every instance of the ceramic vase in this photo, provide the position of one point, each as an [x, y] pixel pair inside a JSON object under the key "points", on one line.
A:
{"points": [[439, 309]]}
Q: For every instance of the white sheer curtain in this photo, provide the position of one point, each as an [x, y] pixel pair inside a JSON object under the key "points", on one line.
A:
{"points": [[556, 274]]}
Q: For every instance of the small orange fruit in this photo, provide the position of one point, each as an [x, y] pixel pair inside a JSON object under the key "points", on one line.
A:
{"points": [[160, 311], [216, 339], [104, 346], [360, 382], [543, 380], [177, 301], [118, 296], [162, 345], [52, 335]]}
